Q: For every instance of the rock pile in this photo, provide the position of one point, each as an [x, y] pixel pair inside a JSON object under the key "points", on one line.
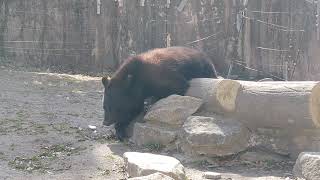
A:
{"points": [[222, 117], [164, 119], [170, 121]]}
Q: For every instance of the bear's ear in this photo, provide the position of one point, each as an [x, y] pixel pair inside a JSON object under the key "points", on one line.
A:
{"points": [[105, 81]]}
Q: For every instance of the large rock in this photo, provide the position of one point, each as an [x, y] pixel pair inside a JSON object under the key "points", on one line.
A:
{"points": [[143, 164], [155, 176], [146, 133], [173, 110], [308, 166], [213, 136]]}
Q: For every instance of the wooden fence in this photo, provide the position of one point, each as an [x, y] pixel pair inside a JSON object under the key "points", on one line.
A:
{"points": [[248, 38]]}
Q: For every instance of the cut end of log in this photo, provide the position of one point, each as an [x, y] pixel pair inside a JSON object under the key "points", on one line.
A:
{"points": [[315, 105], [226, 94]]}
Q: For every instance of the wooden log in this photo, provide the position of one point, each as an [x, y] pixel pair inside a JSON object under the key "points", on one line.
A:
{"points": [[218, 95], [279, 104]]}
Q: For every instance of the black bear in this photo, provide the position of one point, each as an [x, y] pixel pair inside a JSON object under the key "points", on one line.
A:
{"points": [[157, 73]]}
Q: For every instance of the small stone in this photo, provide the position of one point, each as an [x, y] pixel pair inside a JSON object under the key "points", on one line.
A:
{"points": [[308, 166], [155, 176], [143, 164], [211, 175], [173, 110], [92, 127]]}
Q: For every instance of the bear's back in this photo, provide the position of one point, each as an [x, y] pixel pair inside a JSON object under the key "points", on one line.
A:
{"points": [[189, 62], [165, 71]]}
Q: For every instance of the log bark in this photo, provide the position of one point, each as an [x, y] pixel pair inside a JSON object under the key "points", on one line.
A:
{"points": [[218, 95], [279, 104]]}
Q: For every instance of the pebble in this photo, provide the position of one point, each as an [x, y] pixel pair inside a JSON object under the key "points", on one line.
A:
{"points": [[92, 127]]}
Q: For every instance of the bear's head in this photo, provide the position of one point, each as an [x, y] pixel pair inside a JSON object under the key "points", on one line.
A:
{"points": [[122, 100]]}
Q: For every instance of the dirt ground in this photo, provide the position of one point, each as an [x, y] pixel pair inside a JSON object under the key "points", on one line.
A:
{"points": [[45, 134]]}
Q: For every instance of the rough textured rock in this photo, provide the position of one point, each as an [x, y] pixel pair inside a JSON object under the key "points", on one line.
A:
{"points": [[213, 136], [155, 176], [173, 110], [146, 133], [308, 166], [142, 164]]}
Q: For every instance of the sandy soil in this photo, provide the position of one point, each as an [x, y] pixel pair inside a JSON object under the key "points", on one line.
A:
{"points": [[44, 133]]}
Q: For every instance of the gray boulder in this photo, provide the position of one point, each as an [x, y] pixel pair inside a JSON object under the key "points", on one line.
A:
{"points": [[173, 110], [213, 136], [143, 164], [147, 133], [308, 166]]}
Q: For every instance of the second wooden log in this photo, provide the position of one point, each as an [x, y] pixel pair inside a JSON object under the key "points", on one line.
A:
{"points": [[279, 104]]}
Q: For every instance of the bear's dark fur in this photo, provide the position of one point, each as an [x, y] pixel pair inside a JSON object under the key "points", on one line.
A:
{"points": [[156, 73]]}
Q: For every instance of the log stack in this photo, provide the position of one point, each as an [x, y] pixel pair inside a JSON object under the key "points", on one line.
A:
{"points": [[282, 104], [290, 109]]}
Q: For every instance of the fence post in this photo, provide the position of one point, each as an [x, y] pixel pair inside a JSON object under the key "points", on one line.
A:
{"points": [[99, 42]]}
